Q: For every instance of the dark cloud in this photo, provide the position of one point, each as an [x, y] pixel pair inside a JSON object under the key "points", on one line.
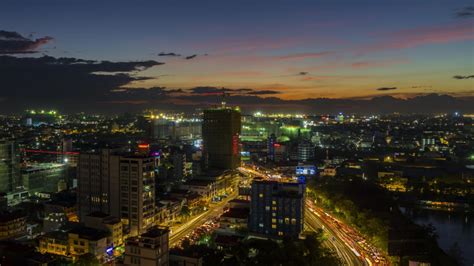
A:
{"points": [[191, 56], [14, 43], [466, 12], [208, 90], [63, 82], [263, 92], [302, 73], [463, 77], [243, 90], [387, 88], [168, 54], [234, 92]]}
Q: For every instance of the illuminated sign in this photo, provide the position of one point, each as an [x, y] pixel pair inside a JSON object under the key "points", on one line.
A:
{"points": [[143, 146], [302, 179], [306, 170], [235, 144]]}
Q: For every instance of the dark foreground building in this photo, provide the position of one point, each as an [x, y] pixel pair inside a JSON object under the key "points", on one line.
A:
{"points": [[277, 208], [220, 133]]}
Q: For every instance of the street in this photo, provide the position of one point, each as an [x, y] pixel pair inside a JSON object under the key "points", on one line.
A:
{"points": [[215, 210]]}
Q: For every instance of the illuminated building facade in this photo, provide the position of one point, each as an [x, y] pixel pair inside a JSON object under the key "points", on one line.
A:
{"points": [[55, 242], [220, 132], [305, 151], [277, 208], [82, 240], [12, 224], [119, 185]]}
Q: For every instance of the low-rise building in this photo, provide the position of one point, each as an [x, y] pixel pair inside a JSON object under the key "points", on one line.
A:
{"points": [[84, 240], [55, 242], [150, 248], [102, 221], [12, 224]]}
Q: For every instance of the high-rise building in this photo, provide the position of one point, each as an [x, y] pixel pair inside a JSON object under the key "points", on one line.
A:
{"points": [[220, 132], [119, 185], [272, 140], [150, 248], [9, 166], [305, 151], [277, 208]]}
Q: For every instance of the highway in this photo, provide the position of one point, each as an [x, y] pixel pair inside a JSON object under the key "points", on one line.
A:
{"points": [[349, 245], [347, 236], [334, 242], [215, 210]]}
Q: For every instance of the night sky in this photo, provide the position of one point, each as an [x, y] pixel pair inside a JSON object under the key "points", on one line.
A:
{"points": [[266, 52]]}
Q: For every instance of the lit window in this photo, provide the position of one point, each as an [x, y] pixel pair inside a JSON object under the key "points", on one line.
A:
{"points": [[260, 195]]}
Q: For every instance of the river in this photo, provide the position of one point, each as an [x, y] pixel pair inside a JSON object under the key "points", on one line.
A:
{"points": [[450, 227]]}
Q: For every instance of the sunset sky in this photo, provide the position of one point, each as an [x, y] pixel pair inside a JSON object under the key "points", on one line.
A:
{"points": [[288, 49]]}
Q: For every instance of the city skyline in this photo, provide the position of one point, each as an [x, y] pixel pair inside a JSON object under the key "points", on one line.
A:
{"points": [[268, 55]]}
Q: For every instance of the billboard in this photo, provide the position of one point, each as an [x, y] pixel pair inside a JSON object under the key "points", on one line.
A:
{"points": [[305, 170]]}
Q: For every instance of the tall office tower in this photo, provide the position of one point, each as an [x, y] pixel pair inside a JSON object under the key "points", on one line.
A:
{"points": [[118, 185], [220, 133], [9, 166], [277, 208], [305, 151], [272, 140]]}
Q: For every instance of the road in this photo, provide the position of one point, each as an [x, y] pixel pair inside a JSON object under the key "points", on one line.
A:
{"points": [[334, 242], [354, 241], [348, 244], [215, 210]]}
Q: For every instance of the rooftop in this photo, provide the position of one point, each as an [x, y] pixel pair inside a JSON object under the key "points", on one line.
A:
{"points": [[155, 232], [89, 233]]}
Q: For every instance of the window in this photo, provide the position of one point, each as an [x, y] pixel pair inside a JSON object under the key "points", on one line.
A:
{"points": [[293, 221], [274, 226], [267, 208], [280, 233], [260, 195]]}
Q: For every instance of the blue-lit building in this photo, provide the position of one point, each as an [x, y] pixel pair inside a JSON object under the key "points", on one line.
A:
{"points": [[277, 208]]}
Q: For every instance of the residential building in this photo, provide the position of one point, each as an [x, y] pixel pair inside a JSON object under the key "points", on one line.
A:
{"points": [[150, 248], [277, 208], [12, 224], [82, 240], [55, 242], [120, 185]]}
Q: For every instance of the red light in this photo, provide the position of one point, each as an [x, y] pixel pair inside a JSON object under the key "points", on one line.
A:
{"points": [[143, 146], [276, 145], [235, 144]]}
